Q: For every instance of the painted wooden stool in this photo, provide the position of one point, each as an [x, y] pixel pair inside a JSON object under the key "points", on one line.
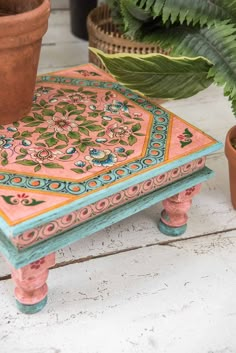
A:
{"points": [[89, 154]]}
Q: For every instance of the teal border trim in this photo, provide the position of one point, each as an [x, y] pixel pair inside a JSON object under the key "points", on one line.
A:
{"points": [[21, 258]]}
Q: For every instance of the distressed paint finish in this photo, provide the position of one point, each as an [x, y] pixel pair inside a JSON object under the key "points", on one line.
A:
{"points": [[174, 217], [109, 203], [86, 139], [36, 251], [31, 288], [89, 154]]}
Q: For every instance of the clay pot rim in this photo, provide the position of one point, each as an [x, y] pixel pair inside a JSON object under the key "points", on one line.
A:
{"points": [[229, 150], [13, 21]]}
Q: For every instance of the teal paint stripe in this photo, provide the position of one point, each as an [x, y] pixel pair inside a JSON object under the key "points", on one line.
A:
{"points": [[21, 258], [103, 193]]}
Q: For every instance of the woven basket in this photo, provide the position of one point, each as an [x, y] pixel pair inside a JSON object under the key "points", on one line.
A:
{"points": [[104, 35]]}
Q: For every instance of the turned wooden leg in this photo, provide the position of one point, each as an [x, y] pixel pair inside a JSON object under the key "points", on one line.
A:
{"points": [[31, 288], [174, 216]]}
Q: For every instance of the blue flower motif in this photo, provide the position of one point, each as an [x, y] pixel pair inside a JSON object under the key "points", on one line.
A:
{"points": [[106, 117], [115, 107], [101, 158], [12, 129], [101, 140], [26, 142], [71, 150], [80, 164], [5, 142], [119, 149]]}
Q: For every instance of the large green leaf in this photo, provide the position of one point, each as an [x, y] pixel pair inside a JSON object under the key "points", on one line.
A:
{"points": [[159, 76]]}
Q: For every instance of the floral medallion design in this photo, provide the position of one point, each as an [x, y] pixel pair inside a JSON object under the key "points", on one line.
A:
{"points": [[22, 199], [76, 130]]}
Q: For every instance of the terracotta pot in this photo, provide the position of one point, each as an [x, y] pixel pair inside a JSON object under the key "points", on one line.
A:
{"points": [[230, 153], [22, 26]]}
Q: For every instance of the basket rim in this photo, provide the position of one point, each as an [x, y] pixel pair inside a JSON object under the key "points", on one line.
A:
{"points": [[115, 38]]}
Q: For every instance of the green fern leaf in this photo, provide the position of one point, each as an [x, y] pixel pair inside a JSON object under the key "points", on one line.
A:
{"points": [[216, 43], [190, 11]]}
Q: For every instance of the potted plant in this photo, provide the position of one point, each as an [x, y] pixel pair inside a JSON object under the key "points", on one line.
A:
{"points": [[202, 39], [22, 26]]}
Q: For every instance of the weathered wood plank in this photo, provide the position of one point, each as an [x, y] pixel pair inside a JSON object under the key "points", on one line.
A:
{"points": [[140, 301]]}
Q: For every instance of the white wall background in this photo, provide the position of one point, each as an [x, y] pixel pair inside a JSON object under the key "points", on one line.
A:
{"points": [[60, 4]]}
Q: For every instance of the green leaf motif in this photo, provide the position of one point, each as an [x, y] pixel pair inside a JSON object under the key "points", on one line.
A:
{"points": [[101, 134], [27, 119], [35, 123], [78, 170], [82, 147], [23, 151], [74, 135], [45, 135], [51, 141], [65, 158], [43, 102], [21, 156], [4, 162], [185, 143], [27, 162], [70, 107], [84, 130], [26, 134], [60, 110], [136, 127], [34, 203], [7, 199], [37, 168], [4, 154], [187, 133], [23, 202], [113, 142], [40, 130], [62, 137], [60, 147], [48, 112], [132, 140], [129, 152], [94, 127], [53, 165]]}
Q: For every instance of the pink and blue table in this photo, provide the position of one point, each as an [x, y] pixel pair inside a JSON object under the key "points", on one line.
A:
{"points": [[89, 154]]}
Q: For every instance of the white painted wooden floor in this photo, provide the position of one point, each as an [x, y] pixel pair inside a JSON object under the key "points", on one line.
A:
{"points": [[129, 288]]}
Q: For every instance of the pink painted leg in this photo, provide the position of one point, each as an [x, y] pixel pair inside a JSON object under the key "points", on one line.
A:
{"points": [[31, 288], [174, 216]]}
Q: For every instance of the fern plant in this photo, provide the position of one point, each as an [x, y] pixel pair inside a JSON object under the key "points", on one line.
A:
{"points": [[201, 35]]}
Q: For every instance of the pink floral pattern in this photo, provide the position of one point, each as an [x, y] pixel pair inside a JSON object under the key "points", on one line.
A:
{"points": [[61, 123], [42, 155]]}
